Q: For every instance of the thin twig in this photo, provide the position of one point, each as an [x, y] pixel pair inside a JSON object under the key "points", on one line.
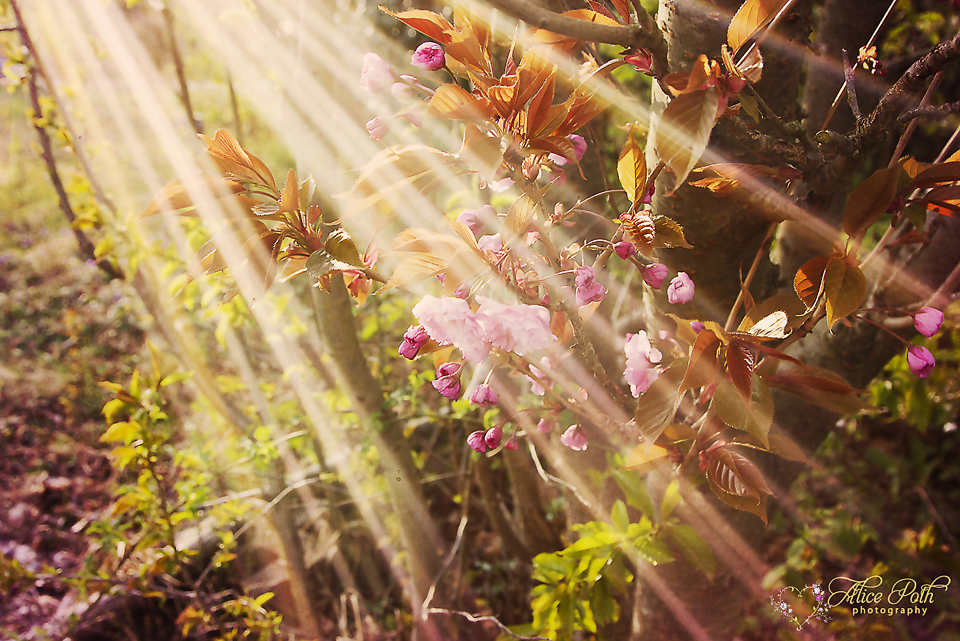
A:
{"points": [[930, 112], [836, 101], [46, 147], [848, 81], [446, 564], [901, 145], [936, 517], [478, 618], [178, 66], [550, 478], [746, 283]]}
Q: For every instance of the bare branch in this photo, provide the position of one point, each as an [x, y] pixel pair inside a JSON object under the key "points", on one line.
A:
{"points": [[875, 127], [848, 76], [929, 112], [644, 35]]}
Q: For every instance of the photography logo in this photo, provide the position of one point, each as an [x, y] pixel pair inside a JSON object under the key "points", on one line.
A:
{"points": [[904, 597], [818, 604]]}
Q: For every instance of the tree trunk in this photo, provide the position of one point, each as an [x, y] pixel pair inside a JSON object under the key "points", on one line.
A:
{"points": [[725, 233]]}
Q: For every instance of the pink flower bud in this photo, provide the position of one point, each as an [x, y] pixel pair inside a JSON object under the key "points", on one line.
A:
{"points": [[920, 361], [624, 249], [648, 197], [654, 275], [413, 339], [483, 396], [696, 326], [546, 425], [928, 321], [681, 289], [475, 441], [377, 128], [511, 444], [575, 438], [448, 380], [428, 56], [492, 437], [376, 75]]}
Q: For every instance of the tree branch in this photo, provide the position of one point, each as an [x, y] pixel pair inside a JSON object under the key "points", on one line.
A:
{"points": [[929, 112], [874, 128], [644, 35]]}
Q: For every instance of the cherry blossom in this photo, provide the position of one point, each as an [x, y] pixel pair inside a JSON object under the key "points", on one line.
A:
{"points": [[928, 321], [448, 380], [588, 289], [681, 289], [475, 441], [413, 339], [575, 438], [450, 321], [493, 436], [520, 329], [624, 249], [376, 75], [642, 359], [654, 275], [429, 56], [920, 361], [377, 127], [483, 396]]}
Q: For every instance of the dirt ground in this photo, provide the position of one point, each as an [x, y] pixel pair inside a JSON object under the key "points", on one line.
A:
{"points": [[63, 328]]}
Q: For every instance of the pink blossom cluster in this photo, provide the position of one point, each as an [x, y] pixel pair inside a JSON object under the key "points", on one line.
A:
{"points": [[481, 441], [919, 359], [520, 329], [376, 76], [642, 361]]}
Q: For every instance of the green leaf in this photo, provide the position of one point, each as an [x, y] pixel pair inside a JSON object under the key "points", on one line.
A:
{"points": [[126, 431], [111, 408], [593, 542], [870, 199], [671, 499], [755, 419], [319, 263], [844, 287], [750, 106], [692, 545], [341, 247], [121, 456], [605, 608], [635, 491], [619, 516], [669, 234]]}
